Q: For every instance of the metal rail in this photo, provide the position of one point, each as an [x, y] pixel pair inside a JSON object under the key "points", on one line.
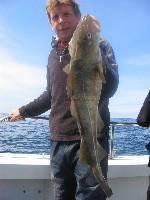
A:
{"points": [[112, 135], [8, 118]]}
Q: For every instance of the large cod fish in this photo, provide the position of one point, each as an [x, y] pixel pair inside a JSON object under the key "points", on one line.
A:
{"points": [[84, 84]]}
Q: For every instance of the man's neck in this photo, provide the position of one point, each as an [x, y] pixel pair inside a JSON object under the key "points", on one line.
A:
{"points": [[64, 44]]}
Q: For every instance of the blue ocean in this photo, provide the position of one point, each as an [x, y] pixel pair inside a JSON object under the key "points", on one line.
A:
{"points": [[33, 136]]}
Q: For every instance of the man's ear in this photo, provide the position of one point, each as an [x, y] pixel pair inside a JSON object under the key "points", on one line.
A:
{"points": [[49, 18], [52, 28]]}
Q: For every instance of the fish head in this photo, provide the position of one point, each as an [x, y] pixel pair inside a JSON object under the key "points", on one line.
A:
{"points": [[85, 38]]}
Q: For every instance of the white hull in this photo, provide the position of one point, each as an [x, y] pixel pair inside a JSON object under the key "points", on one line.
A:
{"points": [[27, 177]]}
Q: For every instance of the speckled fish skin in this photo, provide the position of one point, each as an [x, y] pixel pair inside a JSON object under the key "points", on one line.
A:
{"points": [[84, 84]]}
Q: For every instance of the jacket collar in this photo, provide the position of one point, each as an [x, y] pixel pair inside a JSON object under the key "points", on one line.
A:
{"points": [[55, 43]]}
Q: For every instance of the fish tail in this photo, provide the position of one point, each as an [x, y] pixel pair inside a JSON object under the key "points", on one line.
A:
{"points": [[101, 180]]}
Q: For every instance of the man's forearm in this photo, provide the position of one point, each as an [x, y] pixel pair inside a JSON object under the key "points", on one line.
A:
{"points": [[36, 107]]}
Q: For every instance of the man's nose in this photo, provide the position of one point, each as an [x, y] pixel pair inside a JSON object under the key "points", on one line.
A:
{"points": [[61, 19]]}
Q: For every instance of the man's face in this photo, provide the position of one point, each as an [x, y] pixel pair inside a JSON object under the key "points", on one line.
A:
{"points": [[64, 22]]}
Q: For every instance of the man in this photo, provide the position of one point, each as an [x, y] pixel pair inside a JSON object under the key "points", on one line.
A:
{"points": [[71, 179]]}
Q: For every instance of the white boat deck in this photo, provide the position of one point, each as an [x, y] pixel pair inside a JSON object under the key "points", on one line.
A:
{"points": [[27, 176]]}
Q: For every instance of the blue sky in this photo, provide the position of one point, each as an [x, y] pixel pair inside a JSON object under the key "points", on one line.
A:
{"points": [[25, 37]]}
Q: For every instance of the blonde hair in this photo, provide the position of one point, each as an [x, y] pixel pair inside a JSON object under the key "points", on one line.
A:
{"points": [[51, 4]]}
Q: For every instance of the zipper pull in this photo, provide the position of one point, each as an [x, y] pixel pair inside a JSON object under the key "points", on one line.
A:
{"points": [[60, 59]]}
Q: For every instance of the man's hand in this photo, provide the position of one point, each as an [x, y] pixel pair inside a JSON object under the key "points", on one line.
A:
{"points": [[16, 116]]}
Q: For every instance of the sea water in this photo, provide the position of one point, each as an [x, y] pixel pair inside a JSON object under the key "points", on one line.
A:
{"points": [[33, 136]]}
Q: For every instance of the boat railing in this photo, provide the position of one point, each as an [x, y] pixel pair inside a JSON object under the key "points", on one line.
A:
{"points": [[113, 124]]}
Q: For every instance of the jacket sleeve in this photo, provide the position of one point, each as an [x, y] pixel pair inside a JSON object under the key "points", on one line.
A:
{"points": [[40, 104], [110, 69]]}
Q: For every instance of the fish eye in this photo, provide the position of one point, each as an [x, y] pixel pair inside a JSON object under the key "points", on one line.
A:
{"points": [[89, 35]]}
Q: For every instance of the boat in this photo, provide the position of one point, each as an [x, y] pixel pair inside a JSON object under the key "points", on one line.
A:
{"points": [[27, 176]]}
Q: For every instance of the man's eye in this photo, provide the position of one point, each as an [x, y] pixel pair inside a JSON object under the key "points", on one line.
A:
{"points": [[55, 17], [66, 14]]}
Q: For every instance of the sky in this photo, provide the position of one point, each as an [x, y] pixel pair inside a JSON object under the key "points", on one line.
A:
{"points": [[25, 42]]}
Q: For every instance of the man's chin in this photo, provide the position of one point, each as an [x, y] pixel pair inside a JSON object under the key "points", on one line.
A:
{"points": [[65, 38]]}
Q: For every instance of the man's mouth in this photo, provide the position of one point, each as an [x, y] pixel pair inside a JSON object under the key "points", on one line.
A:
{"points": [[63, 30]]}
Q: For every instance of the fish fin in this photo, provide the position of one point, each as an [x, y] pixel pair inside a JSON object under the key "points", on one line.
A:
{"points": [[66, 69], [101, 180], [101, 73], [100, 123], [73, 110], [101, 153], [84, 156]]}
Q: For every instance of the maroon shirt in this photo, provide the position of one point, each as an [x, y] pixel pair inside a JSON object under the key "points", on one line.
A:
{"points": [[63, 126]]}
